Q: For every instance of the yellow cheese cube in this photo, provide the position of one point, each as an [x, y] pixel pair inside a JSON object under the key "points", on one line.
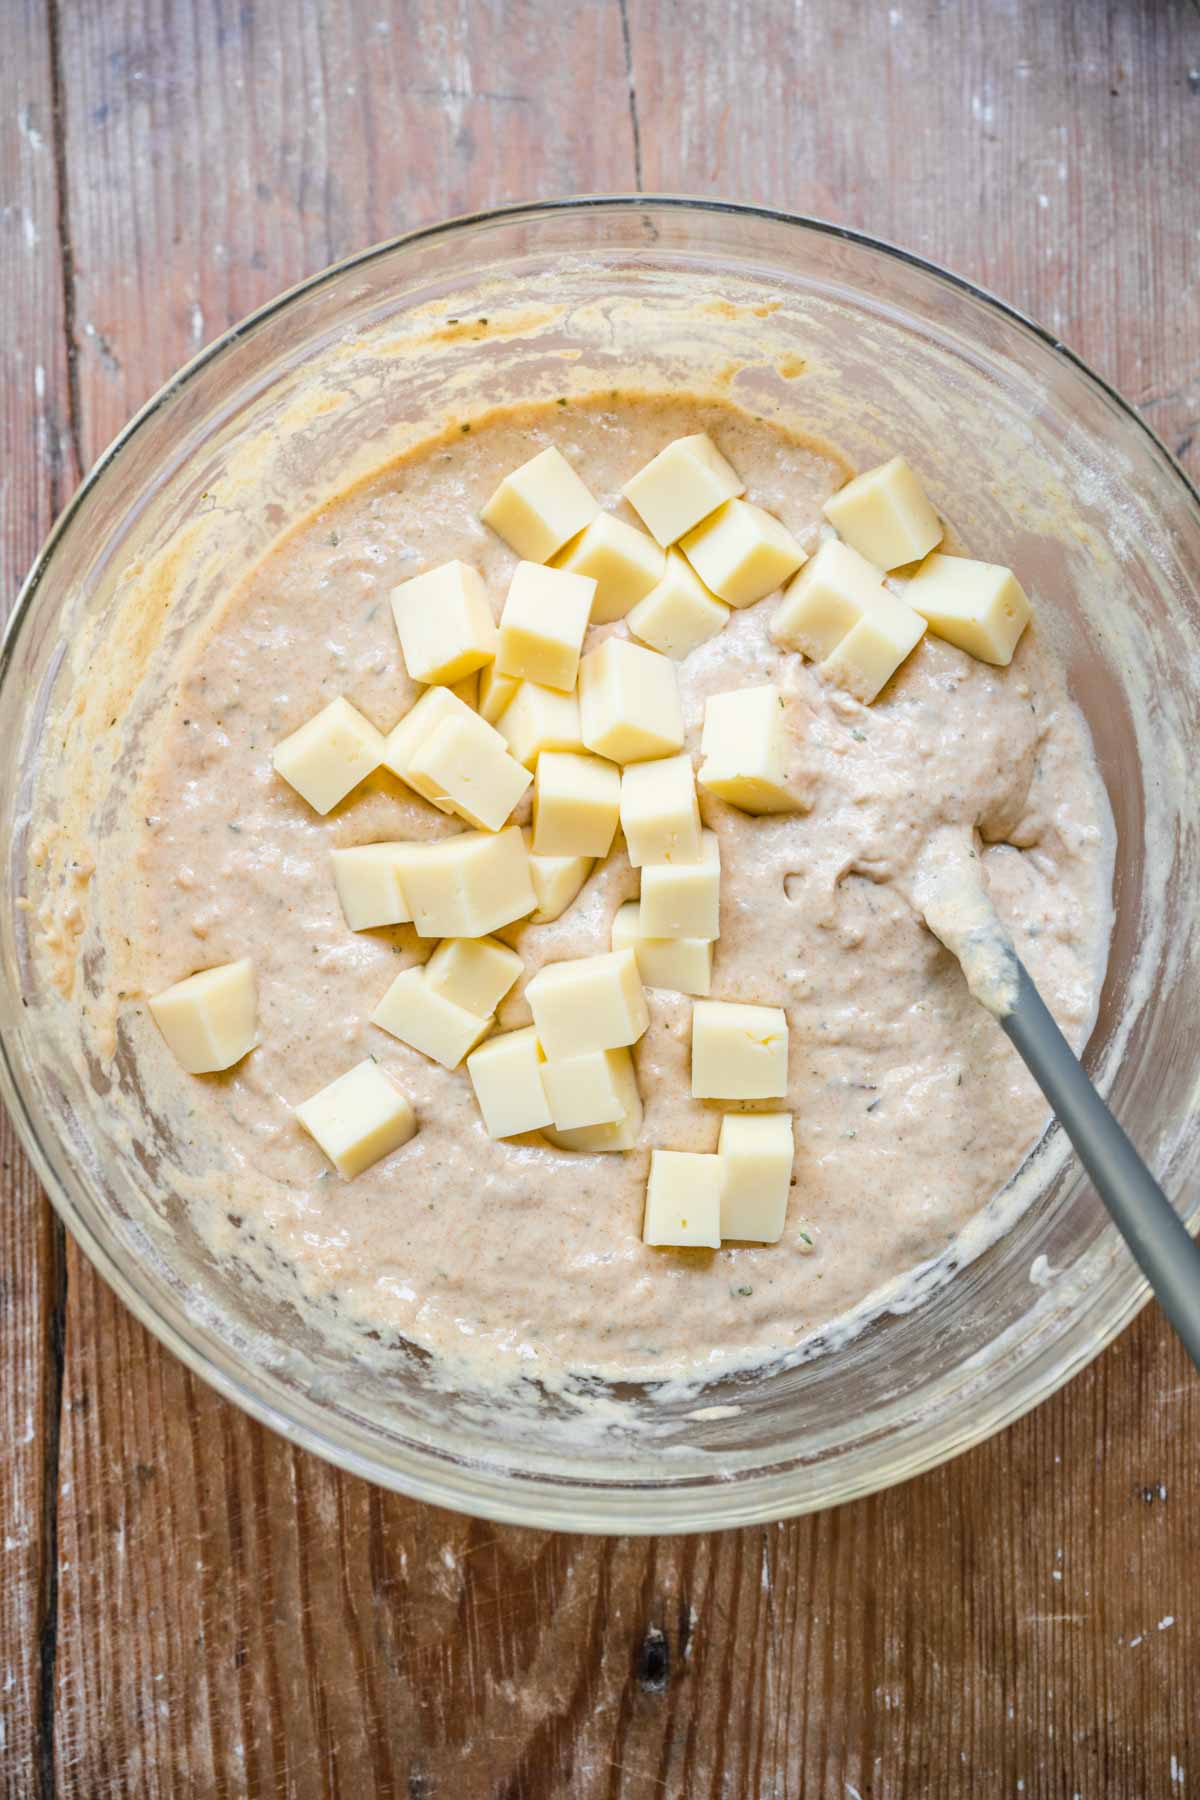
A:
{"points": [[467, 690], [576, 803], [540, 506], [827, 599], [358, 1118], [495, 692], [367, 879], [474, 973], [543, 624], [629, 702], [756, 1152], [463, 766], [540, 718], [885, 515], [683, 900], [683, 1200], [434, 708], [660, 815], [585, 1090], [209, 1020], [556, 881], [683, 964], [444, 623], [871, 651], [437, 1027], [621, 1134], [623, 562], [682, 485], [738, 1052], [589, 1003], [506, 1075], [467, 886], [742, 553], [680, 614], [745, 749], [329, 755], [979, 606]]}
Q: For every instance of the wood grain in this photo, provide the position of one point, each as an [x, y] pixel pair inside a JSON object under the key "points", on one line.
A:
{"points": [[188, 1605]]}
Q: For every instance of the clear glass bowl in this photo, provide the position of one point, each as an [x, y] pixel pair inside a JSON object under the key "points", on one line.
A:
{"points": [[1031, 454]]}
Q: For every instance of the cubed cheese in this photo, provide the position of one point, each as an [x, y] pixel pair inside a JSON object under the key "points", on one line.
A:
{"points": [[367, 879], [683, 964], [435, 707], [330, 755], [444, 623], [756, 1151], [742, 553], [979, 606], [209, 1020], [683, 900], [745, 750], [682, 485], [556, 881], [623, 562], [464, 767], [495, 692], [827, 599], [629, 706], [659, 812], [543, 624], [683, 1200], [506, 1075], [586, 1089], [738, 1052], [540, 506], [623, 1133], [871, 651], [885, 515], [540, 718], [680, 614], [474, 973], [437, 1027], [576, 803], [589, 1003], [469, 885], [358, 1118]]}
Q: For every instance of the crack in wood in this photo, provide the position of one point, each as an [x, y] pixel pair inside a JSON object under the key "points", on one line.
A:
{"points": [[51, 1434], [634, 124], [62, 221]]}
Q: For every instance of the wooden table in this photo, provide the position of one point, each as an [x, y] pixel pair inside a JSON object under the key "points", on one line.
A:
{"points": [[187, 1605]]}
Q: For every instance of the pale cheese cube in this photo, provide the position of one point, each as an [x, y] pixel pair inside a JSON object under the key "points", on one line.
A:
{"points": [[742, 553], [586, 1089], [434, 708], [885, 515], [358, 1118], [556, 881], [682, 485], [827, 599], [629, 704], [540, 718], [756, 1152], [683, 900], [745, 750], [623, 1133], [682, 964], [738, 1052], [589, 1003], [463, 766], [444, 623], [541, 506], [329, 755], [683, 1201], [506, 1075], [209, 1020], [660, 815], [367, 879], [467, 886], [474, 973], [427, 1021], [623, 562], [680, 614], [495, 692], [979, 606], [576, 804], [871, 652], [543, 624]]}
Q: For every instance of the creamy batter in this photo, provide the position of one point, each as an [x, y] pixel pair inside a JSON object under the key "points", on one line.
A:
{"points": [[911, 1108]]}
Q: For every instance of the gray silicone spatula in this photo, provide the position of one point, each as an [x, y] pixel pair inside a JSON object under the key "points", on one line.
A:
{"points": [[950, 894]]}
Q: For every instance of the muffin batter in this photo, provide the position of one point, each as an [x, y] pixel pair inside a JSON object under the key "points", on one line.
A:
{"points": [[911, 1109]]}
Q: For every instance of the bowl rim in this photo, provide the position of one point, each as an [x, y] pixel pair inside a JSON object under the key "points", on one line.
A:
{"points": [[496, 1493]]}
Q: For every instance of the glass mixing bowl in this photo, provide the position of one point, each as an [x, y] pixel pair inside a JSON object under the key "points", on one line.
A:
{"points": [[1026, 451]]}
